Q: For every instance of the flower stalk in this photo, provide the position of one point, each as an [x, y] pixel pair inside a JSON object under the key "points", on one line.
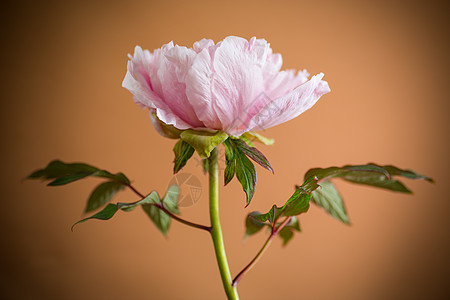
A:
{"points": [[216, 230]]}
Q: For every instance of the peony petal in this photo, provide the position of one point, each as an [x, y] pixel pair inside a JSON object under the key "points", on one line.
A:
{"points": [[171, 73], [199, 89], [202, 44], [139, 82], [237, 81], [142, 95], [289, 106], [182, 59], [233, 86], [282, 83]]}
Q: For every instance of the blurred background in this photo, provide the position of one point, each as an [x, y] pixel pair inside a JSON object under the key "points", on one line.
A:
{"points": [[61, 71]]}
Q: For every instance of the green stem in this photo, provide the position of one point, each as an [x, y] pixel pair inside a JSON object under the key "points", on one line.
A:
{"points": [[216, 230]]}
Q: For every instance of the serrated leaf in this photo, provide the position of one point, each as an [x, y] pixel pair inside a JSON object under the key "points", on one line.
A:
{"points": [[230, 170], [150, 204], [119, 177], [253, 153], [287, 232], [394, 171], [327, 197], [333, 172], [105, 214], [203, 141], [246, 174], [375, 180], [380, 182], [149, 199], [68, 179], [370, 174], [230, 161], [183, 152], [109, 211], [297, 204], [57, 168], [64, 173], [271, 216], [103, 194]]}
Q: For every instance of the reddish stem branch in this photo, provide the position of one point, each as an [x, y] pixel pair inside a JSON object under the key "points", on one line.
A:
{"points": [[173, 216], [253, 262], [195, 225]]}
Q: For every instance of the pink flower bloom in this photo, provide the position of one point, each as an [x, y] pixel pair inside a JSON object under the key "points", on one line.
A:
{"points": [[234, 86]]}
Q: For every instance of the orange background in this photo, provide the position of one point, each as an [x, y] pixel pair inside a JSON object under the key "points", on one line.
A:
{"points": [[387, 65]]}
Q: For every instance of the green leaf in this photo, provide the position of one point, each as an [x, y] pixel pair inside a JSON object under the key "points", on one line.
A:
{"points": [[394, 171], [203, 141], [287, 232], [109, 211], [170, 200], [327, 196], [253, 153], [272, 215], [252, 225], [246, 174], [329, 199], [68, 179], [332, 172], [253, 136], [102, 194], [386, 183], [159, 217], [119, 177], [151, 206], [375, 180], [370, 174], [105, 214], [183, 152], [57, 168], [230, 160], [297, 204], [64, 173]]}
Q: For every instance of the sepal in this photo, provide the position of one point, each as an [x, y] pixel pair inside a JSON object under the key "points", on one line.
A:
{"points": [[203, 141]]}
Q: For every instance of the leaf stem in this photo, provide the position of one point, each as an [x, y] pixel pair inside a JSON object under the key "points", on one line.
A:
{"points": [[216, 232], [135, 191], [177, 218], [253, 262], [173, 216]]}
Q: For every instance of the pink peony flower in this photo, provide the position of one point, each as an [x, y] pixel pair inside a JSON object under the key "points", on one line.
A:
{"points": [[233, 86]]}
